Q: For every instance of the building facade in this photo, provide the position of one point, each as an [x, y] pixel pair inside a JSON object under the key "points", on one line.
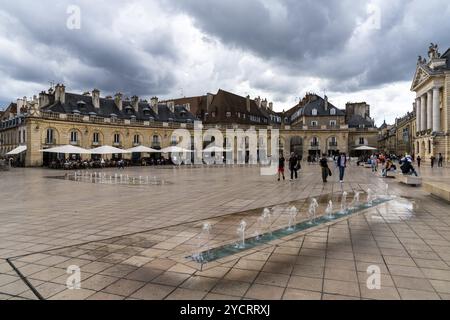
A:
{"points": [[431, 84], [57, 117]]}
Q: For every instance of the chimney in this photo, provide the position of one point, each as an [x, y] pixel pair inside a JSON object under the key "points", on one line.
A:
{"points": [[96, 98], [60, 93], [326, 103], [135, 103], [258, 102], [248, 103], [43, 99], [264, 103], [19, 104], [171, 106], [209, 99], [118, 100], [154, 104], [271, 106]]}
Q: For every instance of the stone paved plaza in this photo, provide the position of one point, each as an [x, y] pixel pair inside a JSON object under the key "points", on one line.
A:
{"points": [[131, 241]]}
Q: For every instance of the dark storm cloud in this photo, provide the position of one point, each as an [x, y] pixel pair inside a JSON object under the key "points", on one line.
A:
{"points": [[109, 60], [317, 38]]}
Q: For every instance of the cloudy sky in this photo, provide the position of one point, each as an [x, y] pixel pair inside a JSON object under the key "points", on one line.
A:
{"points": [[350, 50]]}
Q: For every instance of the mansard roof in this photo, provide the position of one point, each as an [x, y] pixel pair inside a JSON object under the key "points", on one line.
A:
{"points": [[83, 103]]}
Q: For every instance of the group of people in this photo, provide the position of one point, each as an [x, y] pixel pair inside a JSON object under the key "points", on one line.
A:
{"points": [[295, 165], [70, 164]]}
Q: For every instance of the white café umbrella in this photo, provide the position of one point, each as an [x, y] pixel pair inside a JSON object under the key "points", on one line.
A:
{"points": [[17, 150], [67, 149], [143, 149], [216, 149], [365, 148], [174, 149], [108, 150]]}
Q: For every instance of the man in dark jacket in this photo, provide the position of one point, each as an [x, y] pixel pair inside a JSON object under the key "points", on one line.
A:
{"points": [[293, 161], [325, 168]]}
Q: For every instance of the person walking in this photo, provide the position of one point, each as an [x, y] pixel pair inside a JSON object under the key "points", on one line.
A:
{"points": [[341, 164], [440, 160], [418, 161], [432, 161], [325, 169], [293, 160], [281, 162]]}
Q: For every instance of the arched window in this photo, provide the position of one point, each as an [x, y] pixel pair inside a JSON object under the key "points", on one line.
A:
{"points": [[332, 111], [117, 139], [74, 137], [50, 138], [156, 141], [315, 142], [314, 112], [96, 138], [136, 139]]}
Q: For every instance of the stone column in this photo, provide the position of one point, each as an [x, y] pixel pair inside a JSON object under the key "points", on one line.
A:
{"points": [[423, 113], [417, 106], [436, 110], [429, 110]]}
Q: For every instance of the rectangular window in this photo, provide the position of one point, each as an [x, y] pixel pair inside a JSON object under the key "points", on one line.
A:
{"points": [[332, 123], [116, 138], [95, 138], [361, 141], [136, 139], [73, 136], [314, 123]]}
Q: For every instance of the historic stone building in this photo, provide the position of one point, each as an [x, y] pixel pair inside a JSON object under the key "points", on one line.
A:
{"points": [[57, 117], [431, 84]]}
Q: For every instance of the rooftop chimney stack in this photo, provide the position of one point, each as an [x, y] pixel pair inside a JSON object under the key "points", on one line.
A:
{"points": [[258, 102], [154, 104], [248, 103], [118, 100], [271, 106], [209, 99], [135, 103], [326, 103], [43, 99], [60, 93], [171, 106], [96, 98], [264, 103]]}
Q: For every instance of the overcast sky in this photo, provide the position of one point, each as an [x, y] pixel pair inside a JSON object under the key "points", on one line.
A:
{"points": [[279, 50]]}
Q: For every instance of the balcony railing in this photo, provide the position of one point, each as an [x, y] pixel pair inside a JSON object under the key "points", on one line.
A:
{"points": [[50, 141], [332, 144]]}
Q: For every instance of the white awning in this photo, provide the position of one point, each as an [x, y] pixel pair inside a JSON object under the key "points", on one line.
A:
{"points": [[67, 149], [174, 149], [17, 150], [365, 148], [143, 149], [107, 150]]}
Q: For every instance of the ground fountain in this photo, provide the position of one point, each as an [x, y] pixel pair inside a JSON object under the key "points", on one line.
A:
{"points": [[369, 201], [329, 210], [293, 211], [203, 249], [241, 232], [312, 211], [344, 208], [355, 202]]}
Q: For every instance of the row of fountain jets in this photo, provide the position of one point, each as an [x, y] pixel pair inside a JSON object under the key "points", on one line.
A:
{"points": [[264, 222], [113, 179]]}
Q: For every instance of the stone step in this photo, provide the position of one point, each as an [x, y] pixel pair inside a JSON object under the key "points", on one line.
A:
{"points": [[438, 189]]}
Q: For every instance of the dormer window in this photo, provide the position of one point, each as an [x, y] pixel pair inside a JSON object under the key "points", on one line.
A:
{"points": [[76, 111], [228, 114], [314, 112], [332, 112], [128, 109], [146, 110]]}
